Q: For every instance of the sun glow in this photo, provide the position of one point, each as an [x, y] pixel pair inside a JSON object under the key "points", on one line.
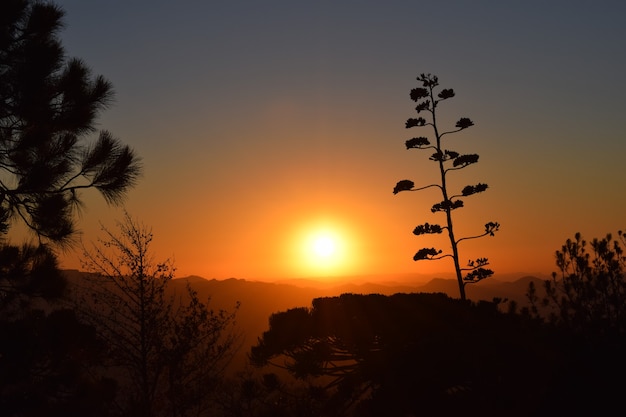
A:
{"points": [[324, 246], [323, 250]]}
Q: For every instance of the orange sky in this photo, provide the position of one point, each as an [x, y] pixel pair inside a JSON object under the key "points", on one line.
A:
{"points": [[255, 131]]}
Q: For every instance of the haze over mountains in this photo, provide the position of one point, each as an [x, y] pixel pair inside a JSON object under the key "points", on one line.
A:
{"points": [[258, 300]]}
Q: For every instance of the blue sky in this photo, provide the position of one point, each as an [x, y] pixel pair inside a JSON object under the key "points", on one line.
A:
{"points": [[256, 117]]}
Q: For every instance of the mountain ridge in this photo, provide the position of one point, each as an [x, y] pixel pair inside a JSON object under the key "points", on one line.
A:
{"points": [[258, 300]]}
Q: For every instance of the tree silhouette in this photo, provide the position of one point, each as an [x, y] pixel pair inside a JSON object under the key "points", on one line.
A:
{"points": [[585, 301], [48, 107], [27, 274], [171, 349], [411, 354], [47, 356], [588, 294], [448, 161]]}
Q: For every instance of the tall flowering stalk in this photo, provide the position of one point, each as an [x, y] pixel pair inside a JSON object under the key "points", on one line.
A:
{"points": [[448, 161]]}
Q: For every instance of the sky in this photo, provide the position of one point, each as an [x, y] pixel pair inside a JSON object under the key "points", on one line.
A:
{"points": [[261, 124]]}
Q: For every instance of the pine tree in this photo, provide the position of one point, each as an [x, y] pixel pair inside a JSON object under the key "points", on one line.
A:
{"points": [[48, 108]]}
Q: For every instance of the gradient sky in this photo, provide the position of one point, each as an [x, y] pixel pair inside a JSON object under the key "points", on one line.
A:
{"points": [[259, 122]]}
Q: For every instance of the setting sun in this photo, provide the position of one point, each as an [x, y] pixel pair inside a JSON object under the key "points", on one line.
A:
{"points": [[322, 248], [324, 251]]}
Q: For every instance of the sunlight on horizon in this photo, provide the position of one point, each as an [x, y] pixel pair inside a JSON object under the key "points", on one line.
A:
{"points": [[322, 249]]}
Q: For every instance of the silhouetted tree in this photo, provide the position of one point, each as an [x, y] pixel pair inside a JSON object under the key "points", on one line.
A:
{"points": [[200, 345], [171, 349], [28, 275], [448, 161], [46, 355], [412, 354], [588, 294], [48, 107], [585, 301]]}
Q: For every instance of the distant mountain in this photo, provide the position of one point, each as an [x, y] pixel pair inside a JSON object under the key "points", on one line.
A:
{"points": [[487, 289], [259, 300]]}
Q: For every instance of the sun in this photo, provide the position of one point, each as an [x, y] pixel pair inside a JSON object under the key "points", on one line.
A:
{"points": [[324, 245], [322, 250]]}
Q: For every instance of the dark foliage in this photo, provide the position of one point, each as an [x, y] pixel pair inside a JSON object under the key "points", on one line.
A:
{"points": [[47, 356], [586, 300], [473, 189], [27, 274], [404, 185], [588, 294], [267, 395], [48, 107], [417, 142], [426, 253], [169, 350], [414, 354], [44, 367], [427, 228]]}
